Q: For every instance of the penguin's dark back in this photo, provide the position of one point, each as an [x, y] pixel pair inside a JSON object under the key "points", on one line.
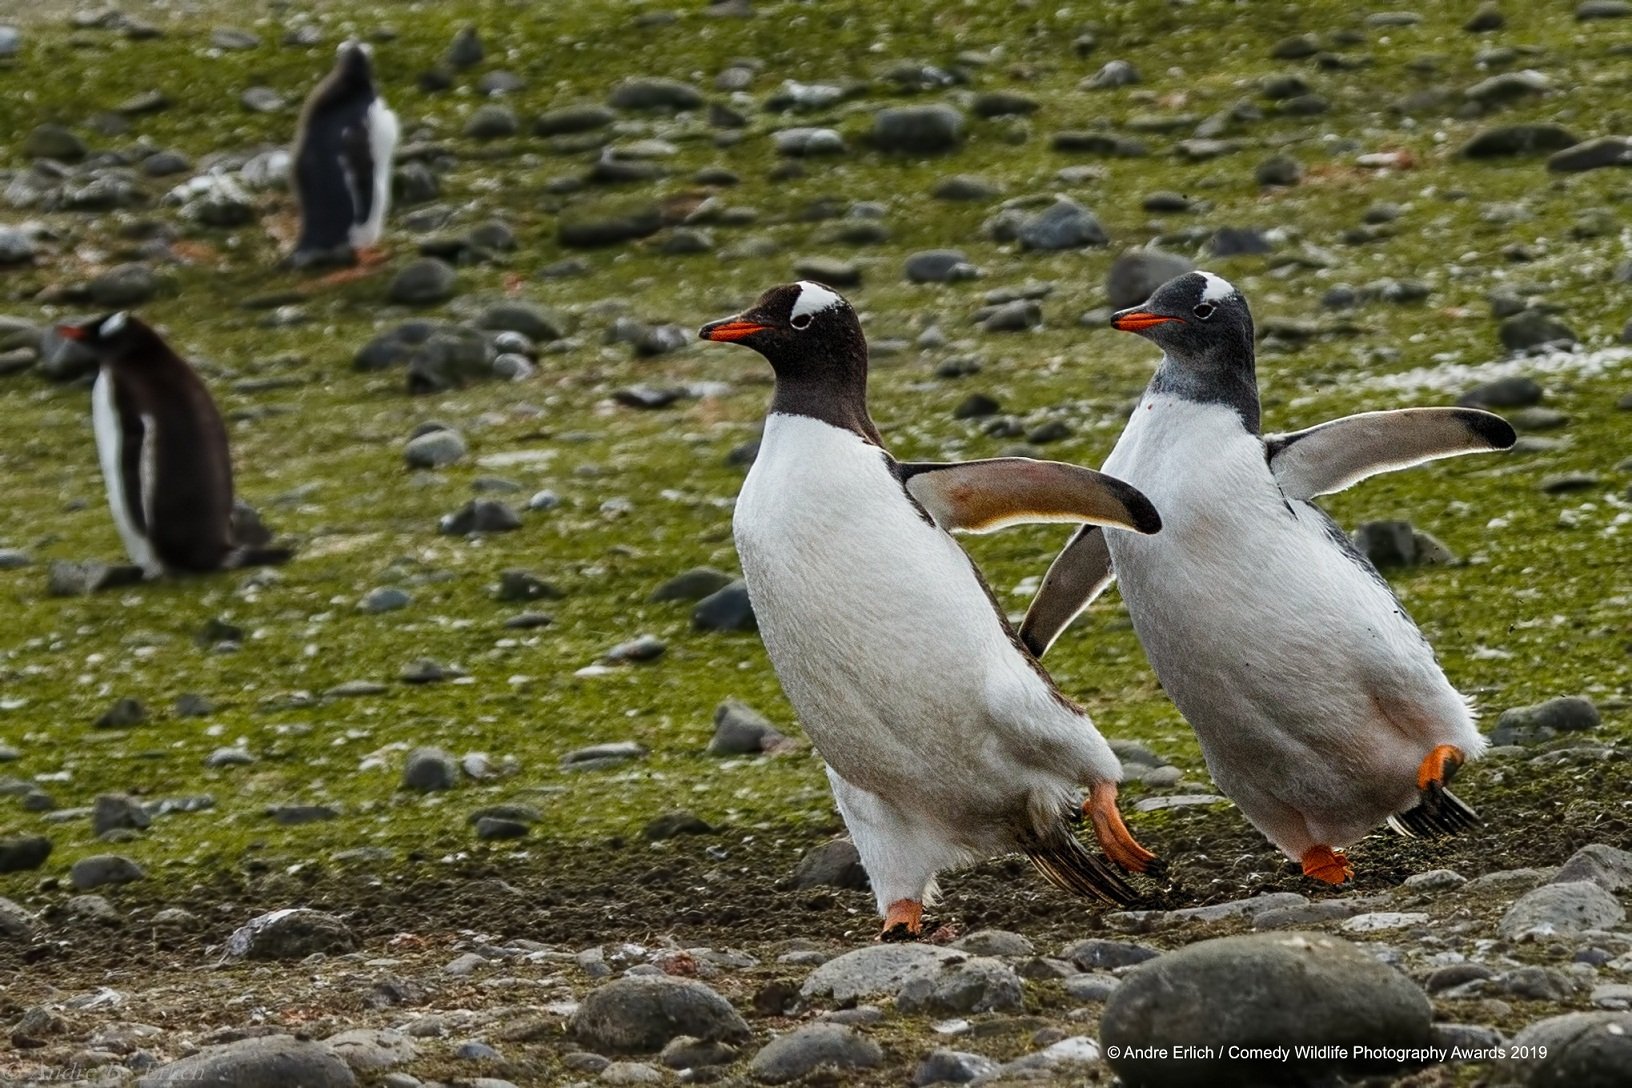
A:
{"points": [[190, 521]]}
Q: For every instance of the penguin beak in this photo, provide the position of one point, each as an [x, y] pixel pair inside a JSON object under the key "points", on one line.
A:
{"points": [[74, 332], [1137, 320], [730, 328]]}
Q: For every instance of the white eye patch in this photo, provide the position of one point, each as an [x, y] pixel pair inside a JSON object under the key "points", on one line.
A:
{"points": [[113, 324], [813, 299], [1218, 288]]}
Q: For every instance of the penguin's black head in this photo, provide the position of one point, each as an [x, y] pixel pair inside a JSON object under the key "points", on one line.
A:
{"points": [[813, 340], [1197, 319], [115, 337], [808, 332], [354, 65]]}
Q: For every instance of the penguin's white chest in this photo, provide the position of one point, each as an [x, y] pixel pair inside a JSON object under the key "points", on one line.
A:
{"points": [[881, 634], [110, 448]]}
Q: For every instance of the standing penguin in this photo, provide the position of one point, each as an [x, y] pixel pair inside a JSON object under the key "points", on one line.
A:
{"points": [[1319, 706], [164, 454], [341, 167], [945, 742]]}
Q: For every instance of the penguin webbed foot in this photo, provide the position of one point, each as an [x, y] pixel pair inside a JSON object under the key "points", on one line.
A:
{"points": [[1327, 865], [903, 921], [1114, 837]]}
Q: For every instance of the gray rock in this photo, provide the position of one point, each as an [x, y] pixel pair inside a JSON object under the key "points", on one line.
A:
{"points": [[1116, 73], [269, 1061], [16, 246], [100, 870], [1584, 1050], [291, 934], [1260, 990], [1016, 316], [596, 227], [1279, 170], [1606, 866], [1534, 328], [123, 286], [1509, 87], [428, 769], [1135, 275], [833, 864], [465, 51], [1562, 909], [524, 585], [92, 908], [1487, 17], [804, 141], [673, 824], [435, 449], [1096, 954], [918, 130], [539, 324], [952, 1067], [262, 100], [384, 599], [728, 609], [21, 854], [372, 1050], [687, 1052], [831, 271], [1592, 155], [1518, 391], [497, 828], [994, 942], [50, 141], [641, 1014], [599, 755], [939, 266], [966, 187], [426, 282], [16, 924], [691, 585], [492, 122], [118, 810], [816, 1046], [739, 729], [980, 984], [480, 516], [655, 94], [11, 40], [1602, 9], [1544, 721], [571, 120], [1508, 140], [1064, 225], [640, 648], [1092, 987], [875, 969]]}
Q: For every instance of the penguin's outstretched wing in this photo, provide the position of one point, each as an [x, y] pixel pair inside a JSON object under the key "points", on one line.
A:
{"points": [[980, 496], [1078, 575], [1336, 454]]}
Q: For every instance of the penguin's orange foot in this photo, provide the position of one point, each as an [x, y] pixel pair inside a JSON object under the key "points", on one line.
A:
{"points": [[903, 921], [1113, 835], [1439, 767], [369, 256], [1324, 863]]}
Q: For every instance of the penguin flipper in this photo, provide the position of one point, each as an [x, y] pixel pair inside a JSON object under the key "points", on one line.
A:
{"points": [[357, 157], [1341, 452], [980, 496], [1078, 574]]}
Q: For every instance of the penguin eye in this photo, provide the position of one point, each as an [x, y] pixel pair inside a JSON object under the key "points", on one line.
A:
{"points": [[1204, 311], [800, 321]]}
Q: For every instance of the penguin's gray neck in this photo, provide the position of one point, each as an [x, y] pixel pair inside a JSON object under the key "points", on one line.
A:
{"points": [[1233, 385]]}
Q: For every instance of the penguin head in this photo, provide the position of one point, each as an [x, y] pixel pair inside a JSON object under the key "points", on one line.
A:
{"points": [[805, 330], [114, 337], [354, 64], [1196, 319]]}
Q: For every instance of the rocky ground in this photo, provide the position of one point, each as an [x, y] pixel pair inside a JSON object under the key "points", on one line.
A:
{"points": [[501, 737]]}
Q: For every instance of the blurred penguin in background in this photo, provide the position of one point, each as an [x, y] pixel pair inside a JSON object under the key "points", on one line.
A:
{"points": [[164, 455], [341, 169]]}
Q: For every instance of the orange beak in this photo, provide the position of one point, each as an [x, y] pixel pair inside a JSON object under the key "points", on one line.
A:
{"points": [[73, 332], [731, 328], [1135, 320]]}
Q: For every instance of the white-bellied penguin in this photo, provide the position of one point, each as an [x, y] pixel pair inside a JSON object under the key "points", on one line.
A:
{"points": [[163, 449], [341, 163], [1320, 707], [945, 742]]}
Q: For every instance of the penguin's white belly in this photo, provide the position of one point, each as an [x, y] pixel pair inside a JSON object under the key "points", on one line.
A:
{"points": [[1312, 693], [886, 643], [110, 451], [382, 145]]}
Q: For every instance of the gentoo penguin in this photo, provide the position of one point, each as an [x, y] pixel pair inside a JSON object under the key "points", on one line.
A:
{"points": [[945, 742], [1319, 706], [164, 454], [342, 163]]}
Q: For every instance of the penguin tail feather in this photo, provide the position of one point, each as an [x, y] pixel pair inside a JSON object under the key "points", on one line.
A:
{"points": [[1439, 813], [1069, 865], [259, 556]]}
